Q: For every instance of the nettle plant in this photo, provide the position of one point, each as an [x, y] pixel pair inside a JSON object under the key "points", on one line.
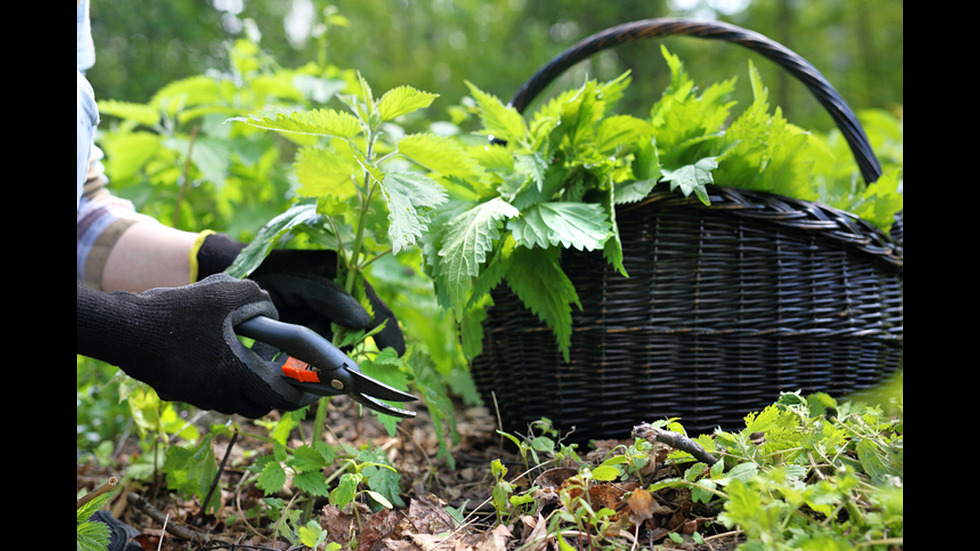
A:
{"points": [[365, 189]]}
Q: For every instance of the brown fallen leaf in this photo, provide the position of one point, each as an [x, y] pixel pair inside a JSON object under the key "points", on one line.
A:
{"points": [[496, 539]]}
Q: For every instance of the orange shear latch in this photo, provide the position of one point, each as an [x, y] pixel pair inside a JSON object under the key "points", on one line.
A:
{"points": [[299, 370]]}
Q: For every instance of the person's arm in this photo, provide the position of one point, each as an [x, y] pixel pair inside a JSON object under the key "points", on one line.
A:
{"points": [[149, 255]]}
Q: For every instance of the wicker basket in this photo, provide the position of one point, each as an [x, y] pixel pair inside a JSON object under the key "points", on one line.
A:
{"points": [[725, 307]]}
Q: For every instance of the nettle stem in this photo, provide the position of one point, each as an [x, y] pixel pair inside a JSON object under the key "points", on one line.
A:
{"points": [[354, 263]]}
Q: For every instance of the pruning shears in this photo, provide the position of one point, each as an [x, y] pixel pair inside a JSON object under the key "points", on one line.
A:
{"points": [[316, 366]]}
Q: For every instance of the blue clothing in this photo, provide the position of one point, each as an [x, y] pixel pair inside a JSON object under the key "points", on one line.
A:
{"points": [[88, 112], [100, 218]]}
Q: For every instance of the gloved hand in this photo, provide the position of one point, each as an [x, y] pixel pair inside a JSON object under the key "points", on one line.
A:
{"points": [[182, 343], [301, 284]]}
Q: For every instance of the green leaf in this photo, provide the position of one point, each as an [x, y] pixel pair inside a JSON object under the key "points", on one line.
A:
{"points": [[311, 482], [468, 238], [306, 458], [532, 164], [570, 225], [402, 101], [271, 478], [410, 197], [619, 131], [141, 113], [267, 237], [440, 154], [326, 172], [346, 489], [499, 120], [92, 536], [606, 473], [537, 279], [312, 534], [316, 122], [693, 178]]}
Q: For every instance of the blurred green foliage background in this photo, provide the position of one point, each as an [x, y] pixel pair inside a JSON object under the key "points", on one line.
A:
{"points": [[436, 45]]}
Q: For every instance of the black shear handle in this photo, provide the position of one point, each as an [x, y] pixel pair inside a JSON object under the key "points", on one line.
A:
{"points": [[298, 341]]}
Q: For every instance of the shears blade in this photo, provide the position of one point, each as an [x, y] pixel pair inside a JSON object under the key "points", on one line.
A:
{"points": [[317, 366]]}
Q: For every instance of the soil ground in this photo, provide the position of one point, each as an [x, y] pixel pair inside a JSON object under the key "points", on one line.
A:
{"points": [[429, 487]]}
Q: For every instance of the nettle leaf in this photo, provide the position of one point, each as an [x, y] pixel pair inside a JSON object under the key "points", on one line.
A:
{"points": [[537, 279], [499, 120], [325, 172], [570, 225], [410, 197], [403, 100], [532, 164], [468, 237], [693, 178], [147, 115], [256, 251], [619, 131], [316, 122], [440, 154]]}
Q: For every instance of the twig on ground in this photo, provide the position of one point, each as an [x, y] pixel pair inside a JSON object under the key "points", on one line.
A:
{"points": [[675, 440], [176, 529]]}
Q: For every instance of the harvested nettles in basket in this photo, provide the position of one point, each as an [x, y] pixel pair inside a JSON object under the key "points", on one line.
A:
{"points": [[551, 181]]}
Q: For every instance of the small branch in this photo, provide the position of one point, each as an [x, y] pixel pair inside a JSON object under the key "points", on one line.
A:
{"points": [[107, 487], [217, 476], [675, 440], [178, 530]]}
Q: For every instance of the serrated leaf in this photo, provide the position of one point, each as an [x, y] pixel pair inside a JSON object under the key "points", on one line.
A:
{"points": [[537, 279], [316, 122], [311, 482], [582, 226], [468, 238], [619, 131], [532, 164], [305, 458], [693, 178], [410, 196], [267, 237], [499, 120], [440, 154], [272, 478], [92, 536], [325, 172], [147, 115], [403, 100]]}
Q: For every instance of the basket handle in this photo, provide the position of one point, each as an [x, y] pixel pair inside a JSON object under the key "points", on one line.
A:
{"points": [[626, 33]]}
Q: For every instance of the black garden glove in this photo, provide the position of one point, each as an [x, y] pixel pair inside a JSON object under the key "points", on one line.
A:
{"points": [[301, 284], [182, 343]]}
